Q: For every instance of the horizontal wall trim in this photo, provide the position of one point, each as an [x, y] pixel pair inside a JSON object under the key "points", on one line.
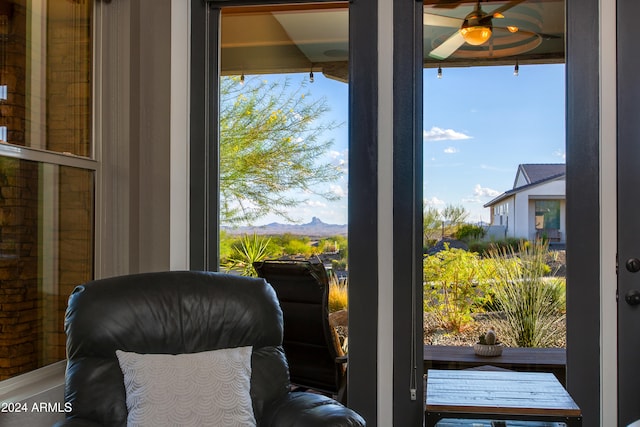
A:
{"points": [[24, 386], [43, 156]]}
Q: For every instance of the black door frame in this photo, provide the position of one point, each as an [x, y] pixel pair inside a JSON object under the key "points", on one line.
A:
{"points": [[628, 135], [583, 206], [583, 249]]}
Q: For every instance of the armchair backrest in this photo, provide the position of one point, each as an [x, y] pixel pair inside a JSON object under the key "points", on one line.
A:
{"points": [[310, 343], [169, 313]]}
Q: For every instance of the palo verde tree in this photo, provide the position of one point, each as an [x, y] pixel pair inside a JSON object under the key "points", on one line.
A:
{"points": [[438, 224], [273, 151]]}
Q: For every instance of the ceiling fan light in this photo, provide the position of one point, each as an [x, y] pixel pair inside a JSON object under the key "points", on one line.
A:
{"points": [[476, 35], [512, 29]]}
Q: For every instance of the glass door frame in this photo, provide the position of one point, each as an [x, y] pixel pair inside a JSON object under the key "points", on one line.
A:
{"points": [[583, 178]]}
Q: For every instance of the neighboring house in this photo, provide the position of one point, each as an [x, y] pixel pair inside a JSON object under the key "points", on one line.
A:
{"points": [[534, 207]]}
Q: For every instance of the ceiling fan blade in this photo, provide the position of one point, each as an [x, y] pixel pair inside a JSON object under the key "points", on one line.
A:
{"points": [[449, 46], [505, 7], [447, 4], [433, 20], [549, 36]]}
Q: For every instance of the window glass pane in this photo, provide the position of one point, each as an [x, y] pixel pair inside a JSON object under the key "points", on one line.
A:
{"points": [[284, 134], [46, 249], [494, 174], [547, 214], [284, 141], [45, 75]]}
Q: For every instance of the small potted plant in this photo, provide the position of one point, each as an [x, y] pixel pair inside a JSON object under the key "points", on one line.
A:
{"points": [[488, 344]]}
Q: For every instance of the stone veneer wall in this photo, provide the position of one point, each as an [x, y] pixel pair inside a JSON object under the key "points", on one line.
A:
{"points": [[19, 295], [33, 301]]}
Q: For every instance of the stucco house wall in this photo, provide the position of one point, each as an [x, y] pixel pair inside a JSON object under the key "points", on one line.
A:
{"points": [[554, 190], [513, 214]]}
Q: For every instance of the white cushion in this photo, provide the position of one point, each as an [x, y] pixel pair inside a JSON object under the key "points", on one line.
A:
{"points": [[200, 389]]}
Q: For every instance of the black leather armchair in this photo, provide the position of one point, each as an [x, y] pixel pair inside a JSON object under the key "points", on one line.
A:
{"points": [[176, 313]]}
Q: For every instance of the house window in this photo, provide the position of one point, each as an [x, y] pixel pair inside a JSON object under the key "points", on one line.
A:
{"points": [[547, 214], [46, 175]]}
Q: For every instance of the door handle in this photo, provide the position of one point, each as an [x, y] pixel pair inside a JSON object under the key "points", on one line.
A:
{"points": [[632, 297], [633, 265]]}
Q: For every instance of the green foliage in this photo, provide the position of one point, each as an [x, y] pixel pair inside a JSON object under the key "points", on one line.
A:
{"points": [[431, 225], [437, 224], [454, 286], [469, 232], [481, 247], [339, 264], [226, 246], [299, 247], [334, 244], [532, 303], [271, 152], [454, 215], [250, 249]]}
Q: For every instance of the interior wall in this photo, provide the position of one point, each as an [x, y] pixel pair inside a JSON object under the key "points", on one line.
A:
{"points": [[112, 135], [142, 136], [151, 142], [179, 134], [385, 214], [608, 204]]}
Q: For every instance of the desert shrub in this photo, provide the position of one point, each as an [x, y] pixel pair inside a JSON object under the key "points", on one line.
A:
{"points": [[298, 247], [533, 304], [339, 264], [483, 247], [226, 245], [338, 294], [454, 286], [469, 232]]}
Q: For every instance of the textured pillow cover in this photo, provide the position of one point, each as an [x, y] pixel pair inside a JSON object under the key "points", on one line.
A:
{"points": [[211, 388]]}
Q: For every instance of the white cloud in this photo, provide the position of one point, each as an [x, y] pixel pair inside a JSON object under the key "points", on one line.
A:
{"points": [[439, 134], [480, 191], [337, 190], [451, 150], [316, 204], [335, 154], [471, 200], [434, 202], [495, 168], [560, 153]]}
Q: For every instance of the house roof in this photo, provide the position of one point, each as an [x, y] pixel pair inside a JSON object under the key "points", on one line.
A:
{"points": [[534, 174]]}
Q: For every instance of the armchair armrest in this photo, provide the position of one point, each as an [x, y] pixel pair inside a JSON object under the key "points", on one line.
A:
{"points": [[302, 409]]}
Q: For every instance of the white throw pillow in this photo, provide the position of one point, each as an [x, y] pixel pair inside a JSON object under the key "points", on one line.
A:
{"points": [[200, 389]]}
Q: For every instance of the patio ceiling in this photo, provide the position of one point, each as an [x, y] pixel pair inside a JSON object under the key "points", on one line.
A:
{"points": [[305, 37]]}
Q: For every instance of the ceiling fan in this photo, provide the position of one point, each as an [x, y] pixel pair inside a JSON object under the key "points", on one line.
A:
{"points": [[475, 29]]}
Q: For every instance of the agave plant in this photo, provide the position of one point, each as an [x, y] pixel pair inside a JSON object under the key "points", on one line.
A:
{"points": [[252, 248]]}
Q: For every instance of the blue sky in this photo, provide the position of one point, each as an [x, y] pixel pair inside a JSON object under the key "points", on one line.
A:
{"points": [[480, 123]]}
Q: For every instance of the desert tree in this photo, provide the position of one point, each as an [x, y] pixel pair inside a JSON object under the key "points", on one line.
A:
{"points": [[273, 148]]}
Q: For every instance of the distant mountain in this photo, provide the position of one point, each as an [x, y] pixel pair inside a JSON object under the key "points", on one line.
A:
{"points": [[315, 228]]}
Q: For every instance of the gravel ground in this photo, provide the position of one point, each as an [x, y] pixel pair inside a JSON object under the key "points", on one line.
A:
{"points": [[434, 334]]}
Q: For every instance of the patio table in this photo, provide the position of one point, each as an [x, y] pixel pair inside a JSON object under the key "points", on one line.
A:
{"points": [[498, 395]]}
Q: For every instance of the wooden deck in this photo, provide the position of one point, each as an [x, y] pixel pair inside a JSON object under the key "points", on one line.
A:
{"points": [[552, 360]]}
